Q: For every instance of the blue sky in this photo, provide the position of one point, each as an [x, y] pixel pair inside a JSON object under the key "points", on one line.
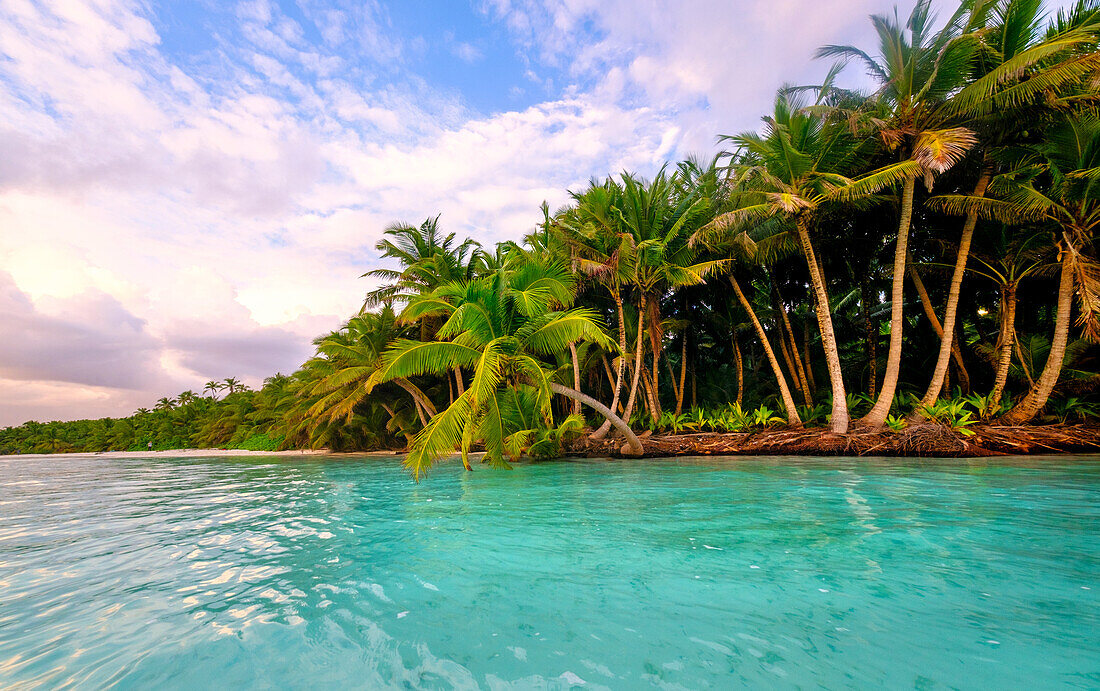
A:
{"points": [[191, 190]]}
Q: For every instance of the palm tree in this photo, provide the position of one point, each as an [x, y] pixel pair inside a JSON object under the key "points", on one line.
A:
{"points": [[601, 249], [1010, 259], [355, 354], [781, 180], [213, 387], [165, 404], [500, 326], [427, 257], [659, 220], [1015, 74], [234, 385], [917, 72], [741, 249], [1067, 160]]}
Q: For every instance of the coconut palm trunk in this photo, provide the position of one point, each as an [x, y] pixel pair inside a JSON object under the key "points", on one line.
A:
{"points": [[785, 350], [576, 376], [1030, 406], [683, 373], [419, 398], [1005, 341], [739, 364], [615, 404], [930, 312], [647, 389], [806, 355], [947, 341], [638, 364], [655, 338], [804, 384], [633, 446], [839, 422], [876, 417], [781, 380]]}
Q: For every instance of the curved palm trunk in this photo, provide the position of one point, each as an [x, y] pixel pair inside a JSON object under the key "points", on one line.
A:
{"points": [[784, 392], [839, 423], [739, 363], [1030, 406], [576, 376], [1005, 341], [633, 446], [804, 384], [947, 340], [647, 389], [876, 417], [606, 426], [419, 398], [930, 312], [638, 364]]}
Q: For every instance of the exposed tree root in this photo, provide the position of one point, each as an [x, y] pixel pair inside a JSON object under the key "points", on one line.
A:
{"points": [[925, 439]]}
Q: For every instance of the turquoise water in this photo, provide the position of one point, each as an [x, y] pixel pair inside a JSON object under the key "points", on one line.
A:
{"points": [[303, 572]]}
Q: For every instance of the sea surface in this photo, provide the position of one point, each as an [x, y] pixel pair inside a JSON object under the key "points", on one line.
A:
{"points": [[341, 572]]}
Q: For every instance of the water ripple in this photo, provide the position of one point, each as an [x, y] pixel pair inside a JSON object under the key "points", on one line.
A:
{"points": [[184, 573]]}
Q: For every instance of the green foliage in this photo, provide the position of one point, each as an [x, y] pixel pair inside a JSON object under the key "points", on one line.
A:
{"points": [[895, 424], [986, 407], [1070, 409], [952, 413], [765, 417], [263, 442], [813, 416]]}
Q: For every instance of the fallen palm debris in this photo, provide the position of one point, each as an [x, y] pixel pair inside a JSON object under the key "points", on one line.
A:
{"points": [[927, 439]]}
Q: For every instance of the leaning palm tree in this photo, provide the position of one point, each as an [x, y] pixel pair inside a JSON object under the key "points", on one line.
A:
{"points": [[918, 69], [1056, 181], [502, 327], [741, 250]]}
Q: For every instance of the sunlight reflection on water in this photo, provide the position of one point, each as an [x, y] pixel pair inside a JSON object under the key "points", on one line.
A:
{"points": [[310, 572]]}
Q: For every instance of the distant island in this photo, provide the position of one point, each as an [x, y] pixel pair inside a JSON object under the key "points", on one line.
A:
{"points": [[909, 271]]}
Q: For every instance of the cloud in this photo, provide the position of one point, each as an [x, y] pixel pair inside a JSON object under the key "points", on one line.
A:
{"points": [[92, 340], [467, 53]]}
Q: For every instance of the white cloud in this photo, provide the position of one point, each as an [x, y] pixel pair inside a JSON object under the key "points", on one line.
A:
{"points": [[467, 53]]}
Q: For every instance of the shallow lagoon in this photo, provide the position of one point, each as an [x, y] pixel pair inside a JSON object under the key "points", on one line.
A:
{"points": [[686, 573]]}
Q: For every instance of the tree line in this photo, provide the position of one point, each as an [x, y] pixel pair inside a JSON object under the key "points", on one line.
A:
{"points": [[860, 261]]}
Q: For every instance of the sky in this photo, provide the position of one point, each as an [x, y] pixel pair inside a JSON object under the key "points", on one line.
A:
{"points": [[191, 190]]}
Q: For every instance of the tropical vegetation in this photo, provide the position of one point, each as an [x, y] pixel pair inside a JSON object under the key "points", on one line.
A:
{"points": [[862, 261]]}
